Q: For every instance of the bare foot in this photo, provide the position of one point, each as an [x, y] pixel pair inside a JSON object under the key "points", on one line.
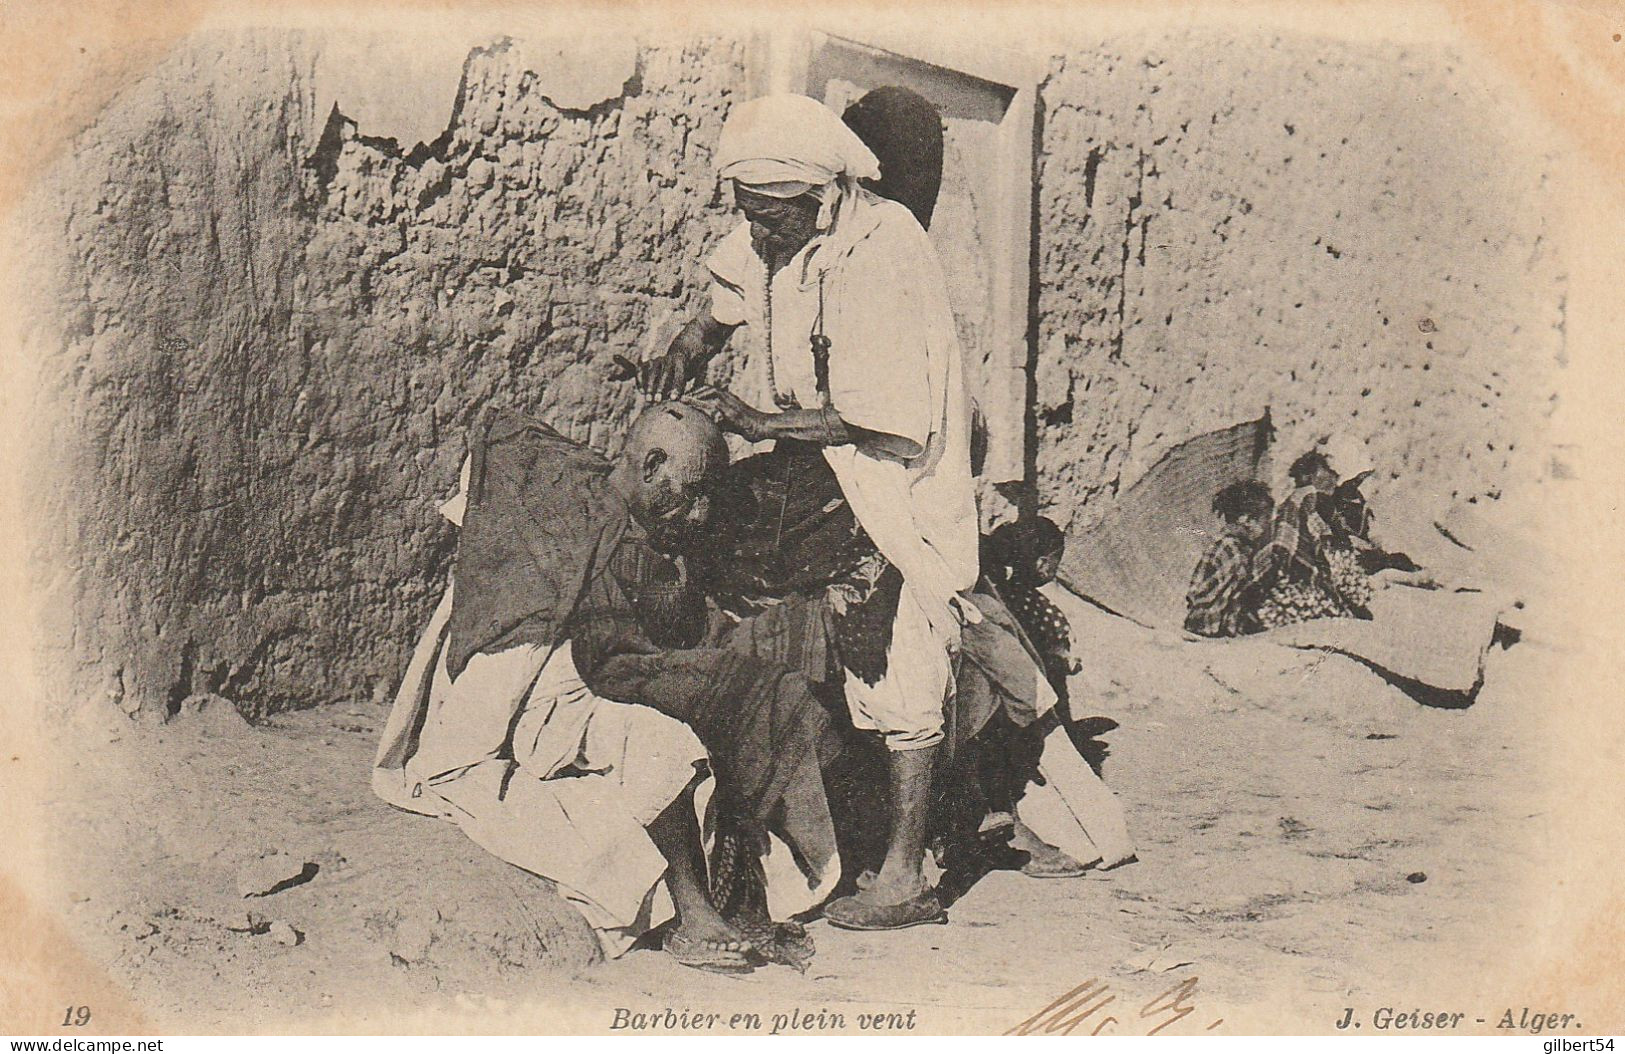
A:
{"points": [[712, 930]]}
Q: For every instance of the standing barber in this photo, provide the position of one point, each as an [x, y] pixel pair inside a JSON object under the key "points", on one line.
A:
{"points": [[853, 339]]}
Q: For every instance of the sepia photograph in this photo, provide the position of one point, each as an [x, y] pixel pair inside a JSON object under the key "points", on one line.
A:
{"points": [[914, 519]]}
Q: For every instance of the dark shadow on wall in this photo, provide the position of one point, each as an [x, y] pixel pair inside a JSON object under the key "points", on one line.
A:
{"points": [[1025, 496]]}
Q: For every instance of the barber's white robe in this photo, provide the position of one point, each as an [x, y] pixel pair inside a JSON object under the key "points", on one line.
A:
{"points": [[872, 284]]}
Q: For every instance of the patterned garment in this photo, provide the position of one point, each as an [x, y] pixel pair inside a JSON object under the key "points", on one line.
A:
{"points": [[862, 610], [1046, 627], [1299, 537], [738, 890], [1350, 579], [783, 529], [1291, 602], [1311, 565], [1223, 591]]}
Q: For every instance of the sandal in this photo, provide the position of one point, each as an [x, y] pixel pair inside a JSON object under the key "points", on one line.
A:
{"points": [[1045, 860], [731, 957], [852, 913], [1057, 864]]}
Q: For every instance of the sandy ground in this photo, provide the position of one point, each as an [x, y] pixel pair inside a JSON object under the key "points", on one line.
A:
{"points": [[1309, 838]]}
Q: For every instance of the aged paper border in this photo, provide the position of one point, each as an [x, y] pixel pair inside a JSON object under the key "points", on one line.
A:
{"points": [[1563, 61]]}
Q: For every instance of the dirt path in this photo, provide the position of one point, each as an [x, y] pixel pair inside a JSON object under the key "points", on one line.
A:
{"points": [[1303, 827]]}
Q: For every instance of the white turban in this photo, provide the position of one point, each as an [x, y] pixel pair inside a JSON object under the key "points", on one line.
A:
{"points": [[786, 145]]}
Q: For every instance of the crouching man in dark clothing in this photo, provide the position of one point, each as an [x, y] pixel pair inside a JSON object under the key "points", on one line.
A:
{"points": [[553, 707]]}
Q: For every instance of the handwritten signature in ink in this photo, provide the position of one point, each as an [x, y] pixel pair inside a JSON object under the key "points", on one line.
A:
{"points": [[1087, 1004]]}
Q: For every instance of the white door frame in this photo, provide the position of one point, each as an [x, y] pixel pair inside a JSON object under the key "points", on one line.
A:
{"points": [[781, 62]]}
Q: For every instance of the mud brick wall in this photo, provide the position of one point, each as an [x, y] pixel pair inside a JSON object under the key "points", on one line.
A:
{"points": [[262, 339], [169, 246], [506, 268], [260, 353], [1340, 233]]}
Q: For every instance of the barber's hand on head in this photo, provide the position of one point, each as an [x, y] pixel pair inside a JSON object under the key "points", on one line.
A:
{"points": [[664, 376], [731, 413]]}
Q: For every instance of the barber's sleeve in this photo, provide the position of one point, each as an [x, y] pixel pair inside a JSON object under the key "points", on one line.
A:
{"points": [[730, 265], [879, 361], [727, 304]]}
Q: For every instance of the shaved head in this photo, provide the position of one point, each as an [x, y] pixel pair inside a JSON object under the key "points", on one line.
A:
{"points": [[673, 454], [683, 433]]}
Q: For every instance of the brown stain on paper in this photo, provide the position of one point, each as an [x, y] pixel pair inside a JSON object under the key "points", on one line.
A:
{"points": [[46, 974], [64, 63], [1567, 60]]}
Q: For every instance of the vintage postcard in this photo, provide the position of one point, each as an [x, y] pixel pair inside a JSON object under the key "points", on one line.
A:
{"points": [[908, 519]]}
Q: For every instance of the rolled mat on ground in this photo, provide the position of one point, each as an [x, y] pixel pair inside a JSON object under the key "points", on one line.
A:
{"points": [[1138, 559], [1434, 637]]}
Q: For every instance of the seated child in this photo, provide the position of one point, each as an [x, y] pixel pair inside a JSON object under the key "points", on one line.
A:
{"points": [[1021, 558], [1026, 554], [1311, 563], [1224, 594]]}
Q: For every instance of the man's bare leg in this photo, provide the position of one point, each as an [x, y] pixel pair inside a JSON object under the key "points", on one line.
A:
{"points": [[676, 834], [901, 877]]}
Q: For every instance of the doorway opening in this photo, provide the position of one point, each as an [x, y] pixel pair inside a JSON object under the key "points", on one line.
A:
{"points": [[981, 220]]}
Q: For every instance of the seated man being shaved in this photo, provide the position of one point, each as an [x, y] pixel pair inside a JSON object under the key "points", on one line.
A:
{"points": [[562, 707]]}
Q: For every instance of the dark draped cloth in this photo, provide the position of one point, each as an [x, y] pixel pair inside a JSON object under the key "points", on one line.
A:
{"points": [[787, 559], [549, 552], [639, 636], [783, 534], [904, 130], [541, 521]]}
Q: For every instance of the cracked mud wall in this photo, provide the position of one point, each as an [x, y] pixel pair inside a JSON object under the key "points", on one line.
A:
{"points": [[1341, 233], [260, 349], [263, 331], [507, 265], [167, 247]]}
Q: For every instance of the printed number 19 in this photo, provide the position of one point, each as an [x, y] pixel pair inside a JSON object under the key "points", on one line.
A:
{"points": [[76, 1015]]}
